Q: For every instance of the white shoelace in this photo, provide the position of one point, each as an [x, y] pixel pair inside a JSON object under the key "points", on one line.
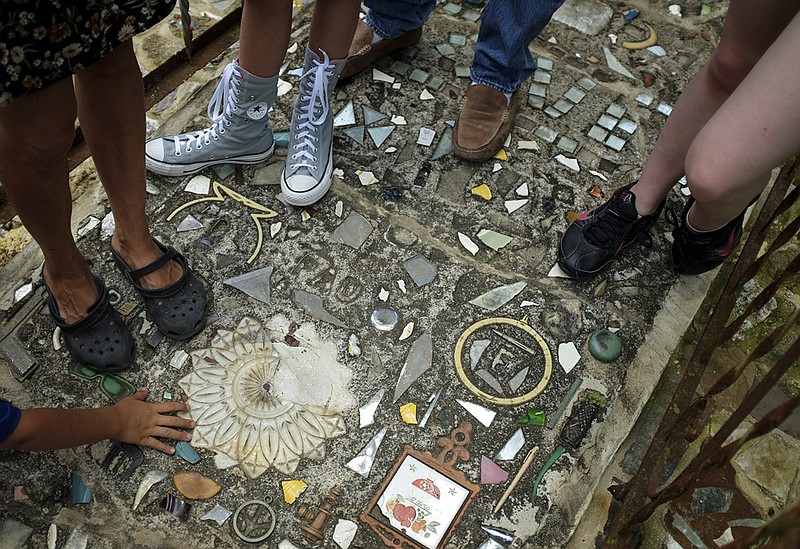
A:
{"points": [[219, 111], [306, 129]]}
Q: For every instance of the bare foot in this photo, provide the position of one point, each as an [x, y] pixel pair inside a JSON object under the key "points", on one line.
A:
{"points": [[139, 256], [74, 292]]}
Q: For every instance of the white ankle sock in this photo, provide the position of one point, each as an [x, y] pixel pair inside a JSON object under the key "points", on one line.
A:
{"points": [[697, 231]]}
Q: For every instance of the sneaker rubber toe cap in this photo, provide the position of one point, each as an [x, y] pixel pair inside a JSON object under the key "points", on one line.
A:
{"points": [[154, 149]]}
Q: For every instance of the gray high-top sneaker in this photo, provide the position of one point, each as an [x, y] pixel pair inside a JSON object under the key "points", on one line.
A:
{"points": [[309, 159], [240, 133]]}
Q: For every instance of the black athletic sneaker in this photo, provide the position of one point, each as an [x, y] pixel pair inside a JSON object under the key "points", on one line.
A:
{"points": [[698, 253], [594, 239]]}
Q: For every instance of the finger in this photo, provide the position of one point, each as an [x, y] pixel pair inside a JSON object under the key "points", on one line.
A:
{"points": [[141, 394], [166, 432], [175, 421], [151, 442], [169, 407]]}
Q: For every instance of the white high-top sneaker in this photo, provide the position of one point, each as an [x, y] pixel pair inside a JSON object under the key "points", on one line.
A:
{"points": [[240, 133], [309, 159]]}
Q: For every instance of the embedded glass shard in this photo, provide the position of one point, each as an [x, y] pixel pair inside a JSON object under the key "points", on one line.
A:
{"points": [[546, 134], [384, 319], [512, 447], [195, 486], [433, 400], [462, 71], [362, 463], [366, 413], [571, 163], [501, 155], [266, 405], [199, 184], [380, 76], [14, 533], [419, 360], [345, 117], [398, 120], [490, 380], [491, 473], [78, 539], [445, 49], [522, 190], [185, 451], [615, 65], [407, 331], [568, 356], [445, 145], [627, 125], [483, 415], [80, 492], [371, 115], [514, 205], [425, 95], [556, 272], [22, 292], [353, 231], [493, 239], [467, 242], [150, 479], [177, 507], [497, 297], [179, 359], [218, 514], [644, 99], [482, 190], [274, 229], [564, 403], [426, 136], [516, 382], [255, 283], [356, 133], [575, 95], [379, 135], [312, 304], [353, 348], [383, 295], [189, 223], [420, 270], [664, 108], [476, 351], [458, 39]]}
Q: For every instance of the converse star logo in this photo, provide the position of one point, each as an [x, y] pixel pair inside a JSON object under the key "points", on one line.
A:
{"points": [[258, 111]]}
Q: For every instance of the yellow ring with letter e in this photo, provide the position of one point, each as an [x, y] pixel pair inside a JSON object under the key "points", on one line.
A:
{"points": [[503, 401]]}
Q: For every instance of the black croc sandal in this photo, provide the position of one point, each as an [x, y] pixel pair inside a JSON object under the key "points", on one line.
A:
{"points": [[179, 310], [101, 340]]}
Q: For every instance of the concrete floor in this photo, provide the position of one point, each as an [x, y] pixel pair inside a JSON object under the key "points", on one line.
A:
{"points": [[416, 208]]}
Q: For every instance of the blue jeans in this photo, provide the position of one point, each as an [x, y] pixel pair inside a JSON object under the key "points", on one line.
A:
{"points": [[502, 59]]}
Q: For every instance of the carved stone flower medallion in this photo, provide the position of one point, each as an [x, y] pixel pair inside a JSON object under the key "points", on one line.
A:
{"points": [[249, 403]]}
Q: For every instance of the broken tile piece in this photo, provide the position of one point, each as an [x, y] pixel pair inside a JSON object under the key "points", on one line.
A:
{"points": [[380, 135], [568, 356], [615, 142], [408, 413], [148, 481], [483, 191], [445, 145], [22, 292], [615, 65], [195, 486], [556, 272], [497, 297], [567, 144], [644, 99], [571, 163], [491, 473], [494, 240], [462, 71], [255, 283], [418, 75], [218, 514], [421, 270], [366, 413], [176, 507], [199, 184], [185, 451], [426, 136], [664, 108], [292, 490], [546, 134], [597, 133], [345, 117], [380, 76], [356, 133], [418, 361], [528, 145], [371, 115], [607, 122], [366, 178], [467, 242], [483, 415], [501, 155], [516, 381], [398, 120], [512, 447], [344, 533], [445, 49], [312, 304], [407, 331], [362, 462], [189, 223], [476, 351], [14, 534], [353, 231], [575, 95], [490, 380], [514, 205]]}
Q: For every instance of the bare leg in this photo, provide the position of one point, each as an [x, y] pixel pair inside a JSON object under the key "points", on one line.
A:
{"points": [[264, 35], [36, 133], [332, 27], [111, 111], [749, 30], [756, 129]]}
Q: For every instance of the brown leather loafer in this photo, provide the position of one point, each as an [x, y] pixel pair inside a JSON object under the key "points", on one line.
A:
{"points": [[483, 123], [364, 53]]}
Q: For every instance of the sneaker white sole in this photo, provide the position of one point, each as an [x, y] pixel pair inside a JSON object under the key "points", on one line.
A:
{"points": [[164, 168], [311, 196]]}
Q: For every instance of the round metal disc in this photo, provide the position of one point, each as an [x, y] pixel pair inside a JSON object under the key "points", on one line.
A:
{"points": [[254, 521]]}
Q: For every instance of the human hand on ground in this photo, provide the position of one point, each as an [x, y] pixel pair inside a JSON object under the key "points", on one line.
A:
{"points": [[141, 422]]}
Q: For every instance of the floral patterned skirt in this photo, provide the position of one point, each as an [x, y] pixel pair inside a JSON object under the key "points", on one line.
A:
{"points": [[43, 41]]}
